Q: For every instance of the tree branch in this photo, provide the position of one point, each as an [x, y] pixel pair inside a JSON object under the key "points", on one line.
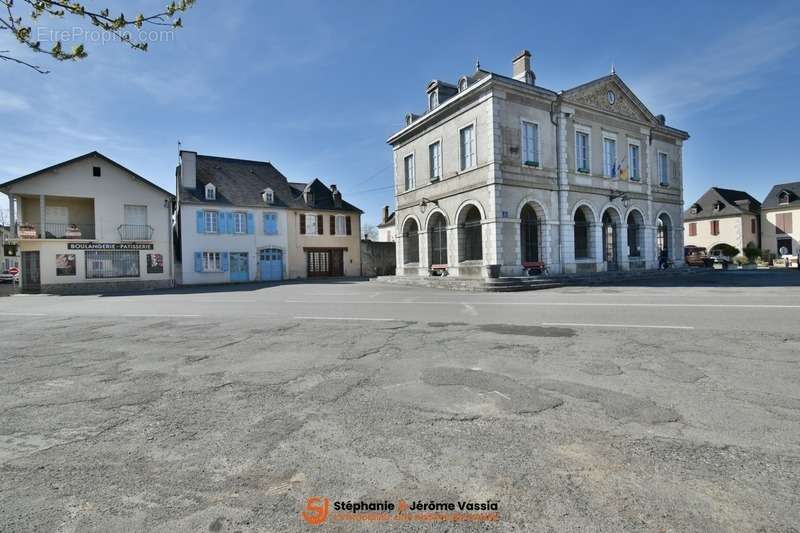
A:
{"points": [[37, 68]]}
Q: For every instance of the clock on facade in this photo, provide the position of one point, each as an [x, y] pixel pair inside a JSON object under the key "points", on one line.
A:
{"points": [[611, 97]]}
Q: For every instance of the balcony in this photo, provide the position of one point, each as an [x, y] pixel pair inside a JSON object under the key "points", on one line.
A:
{"points": [[135, 232], [55, 231]]}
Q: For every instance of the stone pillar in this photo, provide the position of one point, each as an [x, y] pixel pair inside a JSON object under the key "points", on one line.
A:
{"points": [[42, 231], [622, 247], [596, 233], [452, 246], [677, 249], [398, 254], [424, 256], [649, 253], [545, 246], [566, 243]]}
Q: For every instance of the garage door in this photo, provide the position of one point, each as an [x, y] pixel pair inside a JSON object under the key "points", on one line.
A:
{"points": [[270, 263]]}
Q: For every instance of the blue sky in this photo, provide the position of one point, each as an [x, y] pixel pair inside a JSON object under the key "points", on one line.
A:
{"points": [[317, 87]]}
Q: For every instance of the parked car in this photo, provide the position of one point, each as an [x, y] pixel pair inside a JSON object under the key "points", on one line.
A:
{"points": [[696, 256], [5, 277], [718, 256]]}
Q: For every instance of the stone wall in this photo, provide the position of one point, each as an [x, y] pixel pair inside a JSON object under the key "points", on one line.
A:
{"points": [[378, 258], [105, 287]]}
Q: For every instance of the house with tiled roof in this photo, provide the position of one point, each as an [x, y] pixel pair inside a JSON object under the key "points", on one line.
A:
{"points": [[723, 216], [241, 220], [89, 224], [780, 219]]}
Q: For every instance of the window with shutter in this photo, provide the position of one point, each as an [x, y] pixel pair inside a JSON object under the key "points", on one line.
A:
{"points": [[692, 229], [319, 225], [349, 225], [333, 225], [302, 224]]}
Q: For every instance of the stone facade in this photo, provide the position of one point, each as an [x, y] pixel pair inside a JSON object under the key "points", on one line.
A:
{"points": [[531, 211]]}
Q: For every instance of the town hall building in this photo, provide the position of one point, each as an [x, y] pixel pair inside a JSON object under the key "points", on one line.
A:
{"points": [[500, 176]]}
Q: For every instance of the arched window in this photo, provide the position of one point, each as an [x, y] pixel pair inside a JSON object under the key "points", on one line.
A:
{"points": [[529, 236], [411, 242], [581, 226], [471, 235], [437, 236], [635, 234]]}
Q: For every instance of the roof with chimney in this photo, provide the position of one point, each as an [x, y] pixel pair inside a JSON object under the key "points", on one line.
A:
{"points": [[390, 221], [241, 182], [783, 196], [717, 202], [591, 94]]}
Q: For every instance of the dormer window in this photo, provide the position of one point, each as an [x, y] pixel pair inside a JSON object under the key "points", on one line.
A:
{"points": [[432, 100], [211, 192], [783, 198], [268, 196], [309, 197], [695, 209], [462, 84], [718, 206]]}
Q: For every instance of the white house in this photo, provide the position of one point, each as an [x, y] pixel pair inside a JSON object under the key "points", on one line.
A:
{"points": [[231, 219], [89, 224]]}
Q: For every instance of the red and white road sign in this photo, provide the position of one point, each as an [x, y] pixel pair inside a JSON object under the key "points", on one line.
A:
{"points": [[13, 271]]}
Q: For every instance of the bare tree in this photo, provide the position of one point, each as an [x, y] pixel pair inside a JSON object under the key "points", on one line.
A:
{"points": [[370, 232], [22, 26]]}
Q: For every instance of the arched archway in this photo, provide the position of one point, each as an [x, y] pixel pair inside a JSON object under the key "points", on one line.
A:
{"points": [[582, 223], [437, 240], [635, 223], [410, 241], [664, 236], [611, 222], [470, 234], [530, 235]]}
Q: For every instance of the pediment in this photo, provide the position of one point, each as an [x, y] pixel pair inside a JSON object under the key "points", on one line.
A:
{"points": [[610, 94]]}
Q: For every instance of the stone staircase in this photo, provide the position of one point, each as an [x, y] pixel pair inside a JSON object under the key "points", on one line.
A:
{"points": [[511, 284]]}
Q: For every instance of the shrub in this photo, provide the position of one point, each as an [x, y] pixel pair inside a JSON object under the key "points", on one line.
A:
{"points": [[752, 252], [741, 260], [727, 250]]}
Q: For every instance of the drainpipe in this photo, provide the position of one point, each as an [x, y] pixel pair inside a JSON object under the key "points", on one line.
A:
{"points": [[558, 122]]}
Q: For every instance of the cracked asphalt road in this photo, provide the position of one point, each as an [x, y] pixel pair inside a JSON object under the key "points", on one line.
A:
{"points": [[223, 410]]}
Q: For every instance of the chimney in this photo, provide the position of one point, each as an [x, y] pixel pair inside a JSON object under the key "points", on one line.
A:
{"points": [[188, 169], [385, 214], [522, 68], [337, 196]]}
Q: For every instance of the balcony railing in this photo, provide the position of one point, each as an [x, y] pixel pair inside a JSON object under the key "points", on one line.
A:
{"points": [[51, 230], [135, 232]]}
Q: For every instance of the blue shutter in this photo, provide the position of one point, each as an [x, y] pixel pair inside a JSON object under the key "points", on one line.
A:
{"points": [[198, 261], [270, 224], [224, 256], [251, 224], [221, 222], [201, 223], [229, 222]]}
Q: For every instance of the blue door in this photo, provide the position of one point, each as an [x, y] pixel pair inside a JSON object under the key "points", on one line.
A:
{"points": [[270, 261], [239, 268]]}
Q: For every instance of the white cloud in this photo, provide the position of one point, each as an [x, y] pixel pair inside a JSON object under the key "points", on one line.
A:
{"points": [[729, 66], [10, 102]]}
